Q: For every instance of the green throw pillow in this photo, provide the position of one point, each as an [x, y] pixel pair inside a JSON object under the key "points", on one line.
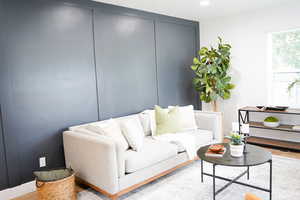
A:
{"points": [[168, 120]]}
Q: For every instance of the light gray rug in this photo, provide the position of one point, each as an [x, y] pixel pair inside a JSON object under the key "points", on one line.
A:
{"points": [[185, 183]]}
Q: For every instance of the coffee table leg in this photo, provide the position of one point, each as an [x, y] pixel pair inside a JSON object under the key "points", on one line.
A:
{"points": [[201, 170], [248, 173], [214, 181], [271, 179]]}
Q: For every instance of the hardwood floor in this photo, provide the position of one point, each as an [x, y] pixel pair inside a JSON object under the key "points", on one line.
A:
{"points": [[289, 154], [79, 188]]}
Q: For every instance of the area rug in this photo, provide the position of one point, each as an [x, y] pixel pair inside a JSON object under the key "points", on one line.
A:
{"points": [[185, 183]]}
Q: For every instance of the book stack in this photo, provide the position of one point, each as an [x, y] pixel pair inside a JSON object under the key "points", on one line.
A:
{"points": [[216, 152]]}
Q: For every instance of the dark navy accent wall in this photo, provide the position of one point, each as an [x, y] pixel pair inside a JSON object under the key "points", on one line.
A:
{"points": [[68, 62]]}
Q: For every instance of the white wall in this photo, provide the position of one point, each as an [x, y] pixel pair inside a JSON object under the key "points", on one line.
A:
{"points": [[17, 191], [247, 33]]}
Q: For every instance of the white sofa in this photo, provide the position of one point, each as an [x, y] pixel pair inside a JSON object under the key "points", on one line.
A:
{"points": [[100, 163]]}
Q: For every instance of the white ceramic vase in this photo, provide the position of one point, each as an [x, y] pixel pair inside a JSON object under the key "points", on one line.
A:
{"points": [[237, 150]]}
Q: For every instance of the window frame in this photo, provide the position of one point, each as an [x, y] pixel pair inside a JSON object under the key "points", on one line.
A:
{"points": [[271, 71]]}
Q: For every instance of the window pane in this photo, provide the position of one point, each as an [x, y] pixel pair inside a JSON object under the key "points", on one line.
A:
{"points": [[286, 51], [280, 94], [286, 68]]}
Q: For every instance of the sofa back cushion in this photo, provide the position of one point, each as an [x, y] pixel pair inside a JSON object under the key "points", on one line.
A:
{"points": [[110, 129], [85, 130]]}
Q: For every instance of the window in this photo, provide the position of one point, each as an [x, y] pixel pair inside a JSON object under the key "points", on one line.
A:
{"points": [[285, 67]]}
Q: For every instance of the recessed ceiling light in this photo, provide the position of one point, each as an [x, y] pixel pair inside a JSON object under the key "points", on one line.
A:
{"points": [[204, 2]]}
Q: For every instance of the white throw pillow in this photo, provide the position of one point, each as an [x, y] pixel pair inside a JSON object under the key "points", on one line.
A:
{"points": [[188, 117], [110, 129], [151, 123], [146, 122], [134, 134]]}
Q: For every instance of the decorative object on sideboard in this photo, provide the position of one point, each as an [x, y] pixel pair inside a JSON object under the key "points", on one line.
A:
{"points": [[296, 128], [271, 122], [272, 108], [236, 144], [211, 68]]}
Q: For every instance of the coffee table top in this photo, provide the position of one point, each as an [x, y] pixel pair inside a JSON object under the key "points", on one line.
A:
{"points": [[255, 156]]}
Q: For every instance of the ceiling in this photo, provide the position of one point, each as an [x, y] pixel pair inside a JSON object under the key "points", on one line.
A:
{"points": [[191, 9]]}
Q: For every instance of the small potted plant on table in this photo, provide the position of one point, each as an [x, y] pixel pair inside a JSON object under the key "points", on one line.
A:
{"points": [[236, 144]]}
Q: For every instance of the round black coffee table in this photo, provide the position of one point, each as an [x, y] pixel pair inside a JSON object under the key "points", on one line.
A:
{"points": [[254, 156]]}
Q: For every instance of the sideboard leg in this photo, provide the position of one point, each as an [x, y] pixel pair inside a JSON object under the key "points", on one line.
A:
{"points": [[201, 171], [271, 166]]}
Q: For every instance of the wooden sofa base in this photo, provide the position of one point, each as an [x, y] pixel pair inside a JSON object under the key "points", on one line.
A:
{"points": [[129, 189]]}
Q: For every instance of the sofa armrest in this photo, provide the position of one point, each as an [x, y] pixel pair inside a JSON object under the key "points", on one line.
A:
{"points": [[210, 121], [94, 159]]}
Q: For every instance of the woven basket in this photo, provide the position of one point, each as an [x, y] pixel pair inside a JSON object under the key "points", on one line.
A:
{"points": [[63, 189]]}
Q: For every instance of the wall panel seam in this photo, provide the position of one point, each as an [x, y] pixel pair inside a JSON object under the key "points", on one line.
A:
{"points": [[95, 64], [156, 64]]}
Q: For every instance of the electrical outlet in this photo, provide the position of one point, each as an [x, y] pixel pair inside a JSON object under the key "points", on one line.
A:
{"points": [[43, 162]]}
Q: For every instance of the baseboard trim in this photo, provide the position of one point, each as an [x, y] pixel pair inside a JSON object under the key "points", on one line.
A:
{"points": [[17, 191]]}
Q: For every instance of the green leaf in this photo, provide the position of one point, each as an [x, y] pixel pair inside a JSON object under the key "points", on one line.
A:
{"points": [[291, 85], [196, 61], [220, 39], [203, 51], [230, 86], [227, 79], [194, 67], [227, 45], [226, 95], [196, 81]]}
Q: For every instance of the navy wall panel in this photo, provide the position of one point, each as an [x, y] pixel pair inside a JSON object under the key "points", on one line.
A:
{"points": [[50, 65], [176, 47], [125, 57]]}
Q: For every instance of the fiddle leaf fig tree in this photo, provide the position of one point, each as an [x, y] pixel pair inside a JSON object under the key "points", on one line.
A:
{"points": [[211, 73]]}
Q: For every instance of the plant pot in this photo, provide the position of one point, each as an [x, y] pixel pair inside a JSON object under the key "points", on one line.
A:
{"points": [[236, 150], [271, 124]]}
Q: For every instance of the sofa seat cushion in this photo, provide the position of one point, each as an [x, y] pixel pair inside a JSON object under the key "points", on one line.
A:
{"points": [[202, 138], [152, 152]]}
